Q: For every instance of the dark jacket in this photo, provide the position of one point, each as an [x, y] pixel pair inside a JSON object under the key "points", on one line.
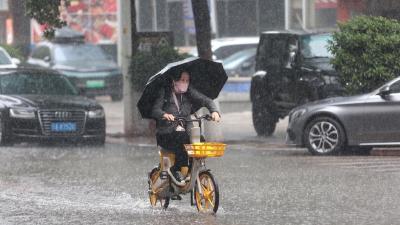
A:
{"points": [[165, 104]]}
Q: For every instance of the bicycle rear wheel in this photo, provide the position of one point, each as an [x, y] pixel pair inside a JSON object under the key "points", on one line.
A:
{"points": [[156, 200], [208, 200]]}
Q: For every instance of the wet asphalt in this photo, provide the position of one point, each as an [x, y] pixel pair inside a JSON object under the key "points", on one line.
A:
{"points": [[57, 184]]}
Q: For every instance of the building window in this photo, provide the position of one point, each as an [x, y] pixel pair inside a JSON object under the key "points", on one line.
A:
{"points": [[311, 14], [296, 14]]}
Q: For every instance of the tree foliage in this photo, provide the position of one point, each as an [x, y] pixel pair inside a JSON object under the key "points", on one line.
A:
{"points": [[366, 52], [46, 12], [146, 64]]}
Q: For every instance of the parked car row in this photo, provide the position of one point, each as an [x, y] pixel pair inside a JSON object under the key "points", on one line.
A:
{"points": [[44, 99], [294, 77]]}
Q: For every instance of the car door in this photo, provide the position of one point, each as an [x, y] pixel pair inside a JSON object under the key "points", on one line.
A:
{"points": [[281, 75], [382, 117]]}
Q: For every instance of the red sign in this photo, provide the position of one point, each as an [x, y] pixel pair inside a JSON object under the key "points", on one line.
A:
{"points": [[325, 4], [96, 19]]}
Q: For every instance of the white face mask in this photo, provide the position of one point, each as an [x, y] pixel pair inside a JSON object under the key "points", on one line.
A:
{"points": [[180, 86]]}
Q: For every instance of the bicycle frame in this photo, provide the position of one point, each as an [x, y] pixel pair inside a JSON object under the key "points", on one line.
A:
{"points": [[197, 166], [162, 186]]}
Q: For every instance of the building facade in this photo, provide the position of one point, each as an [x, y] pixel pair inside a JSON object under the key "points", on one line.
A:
{"points": [[228, 17]]}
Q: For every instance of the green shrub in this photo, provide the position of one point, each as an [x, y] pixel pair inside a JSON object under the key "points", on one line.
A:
{"points": [[146, 64], [13, 51], [366, 52]]}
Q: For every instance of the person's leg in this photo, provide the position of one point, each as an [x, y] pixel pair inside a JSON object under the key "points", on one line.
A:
{"points": [[181, 157]]}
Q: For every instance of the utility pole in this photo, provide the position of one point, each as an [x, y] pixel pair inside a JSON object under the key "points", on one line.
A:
{"points": [[127, 46]]}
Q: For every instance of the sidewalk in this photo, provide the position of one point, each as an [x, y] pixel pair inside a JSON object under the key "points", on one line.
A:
{"points": [[236, 125]]}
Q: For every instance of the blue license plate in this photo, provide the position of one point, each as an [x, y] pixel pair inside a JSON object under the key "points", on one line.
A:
{"points": [[63, 127]]}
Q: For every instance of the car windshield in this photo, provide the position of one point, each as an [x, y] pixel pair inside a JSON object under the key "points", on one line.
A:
{"points": [[238, 58], [78, 53], [36, 84], [4, 59], [316, 46]]}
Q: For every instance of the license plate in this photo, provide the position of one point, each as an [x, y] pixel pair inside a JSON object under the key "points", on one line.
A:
{"points": [[63, 127], [95, 83]]}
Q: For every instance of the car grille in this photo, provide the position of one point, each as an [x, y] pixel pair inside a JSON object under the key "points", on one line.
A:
{"points": [[47, 117]]}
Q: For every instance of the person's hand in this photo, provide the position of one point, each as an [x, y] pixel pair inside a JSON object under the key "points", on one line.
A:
{"points": [[215, 116], [169, 117]]}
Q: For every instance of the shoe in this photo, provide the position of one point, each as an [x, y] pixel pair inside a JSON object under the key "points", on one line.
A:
{"points": [[176, 177], [187, 178]]}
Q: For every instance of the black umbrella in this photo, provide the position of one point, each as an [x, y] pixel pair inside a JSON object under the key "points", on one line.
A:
{"points": [[208, 77]]}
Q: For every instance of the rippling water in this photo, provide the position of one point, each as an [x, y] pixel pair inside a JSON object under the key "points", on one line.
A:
{"points": [[86, 185]]}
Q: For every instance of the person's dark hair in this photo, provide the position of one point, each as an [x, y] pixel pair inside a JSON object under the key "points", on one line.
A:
{"points": [[177, 74]]}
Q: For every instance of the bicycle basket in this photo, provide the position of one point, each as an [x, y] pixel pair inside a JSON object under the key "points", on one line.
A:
{"points": [[205, 149]]}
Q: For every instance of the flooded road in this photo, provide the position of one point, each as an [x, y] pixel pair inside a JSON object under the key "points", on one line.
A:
{"points": [[108, 185]]}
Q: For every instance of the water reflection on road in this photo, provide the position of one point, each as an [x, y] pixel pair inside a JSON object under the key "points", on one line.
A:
{"points": [[108, 185]]}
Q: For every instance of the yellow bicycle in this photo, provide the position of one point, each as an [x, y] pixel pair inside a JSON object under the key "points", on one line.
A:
{"points": [[201, 184]]}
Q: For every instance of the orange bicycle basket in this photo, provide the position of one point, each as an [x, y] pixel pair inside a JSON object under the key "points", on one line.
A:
{"points": [[205, 149]]}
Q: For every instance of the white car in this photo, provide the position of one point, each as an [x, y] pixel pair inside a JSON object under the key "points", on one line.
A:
{"points": [[6, 61], [224, 47]]}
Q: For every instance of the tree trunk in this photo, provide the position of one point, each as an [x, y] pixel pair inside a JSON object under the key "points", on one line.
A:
{"points": [[202, 24], [21, 25]]}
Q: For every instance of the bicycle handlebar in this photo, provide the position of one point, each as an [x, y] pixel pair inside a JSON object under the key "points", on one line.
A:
{"points": [[197, 119]]}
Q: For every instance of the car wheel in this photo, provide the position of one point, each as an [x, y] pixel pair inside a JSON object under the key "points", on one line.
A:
{"points": [[324, 136], [264, 121], [5, 139]]}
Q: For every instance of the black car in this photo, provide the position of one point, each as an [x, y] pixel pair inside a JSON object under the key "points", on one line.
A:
{"points": [[87, 66], [38, 105], [292, 68]]}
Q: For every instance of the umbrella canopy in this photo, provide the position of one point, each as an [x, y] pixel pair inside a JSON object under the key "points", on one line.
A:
{"points": [[208, 77]]}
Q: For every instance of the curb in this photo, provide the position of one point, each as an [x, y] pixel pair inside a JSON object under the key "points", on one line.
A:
{"points": [[385, 152]]}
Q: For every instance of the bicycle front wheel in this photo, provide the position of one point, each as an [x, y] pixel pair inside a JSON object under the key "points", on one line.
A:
{"points": [[156, 200], [207, 200]]}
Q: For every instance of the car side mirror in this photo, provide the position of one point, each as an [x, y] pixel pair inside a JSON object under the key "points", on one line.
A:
{"points": [[292, 58], [15, 61], [47, 59], [384, 91]]}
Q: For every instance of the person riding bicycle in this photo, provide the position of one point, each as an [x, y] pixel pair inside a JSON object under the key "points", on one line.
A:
{"points": [[176, 101]]}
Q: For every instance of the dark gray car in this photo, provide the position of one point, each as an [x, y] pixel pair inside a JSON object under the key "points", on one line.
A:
{"points": [[364, 121], [87, 66]]}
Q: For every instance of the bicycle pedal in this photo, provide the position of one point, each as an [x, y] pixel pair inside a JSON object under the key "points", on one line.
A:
{"points": [[176, 197], [163, 175]]}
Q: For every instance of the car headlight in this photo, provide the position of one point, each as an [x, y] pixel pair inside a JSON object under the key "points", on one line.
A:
{"points": [[97, 113], [330, 79], [296, 114], [22, 113]]}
